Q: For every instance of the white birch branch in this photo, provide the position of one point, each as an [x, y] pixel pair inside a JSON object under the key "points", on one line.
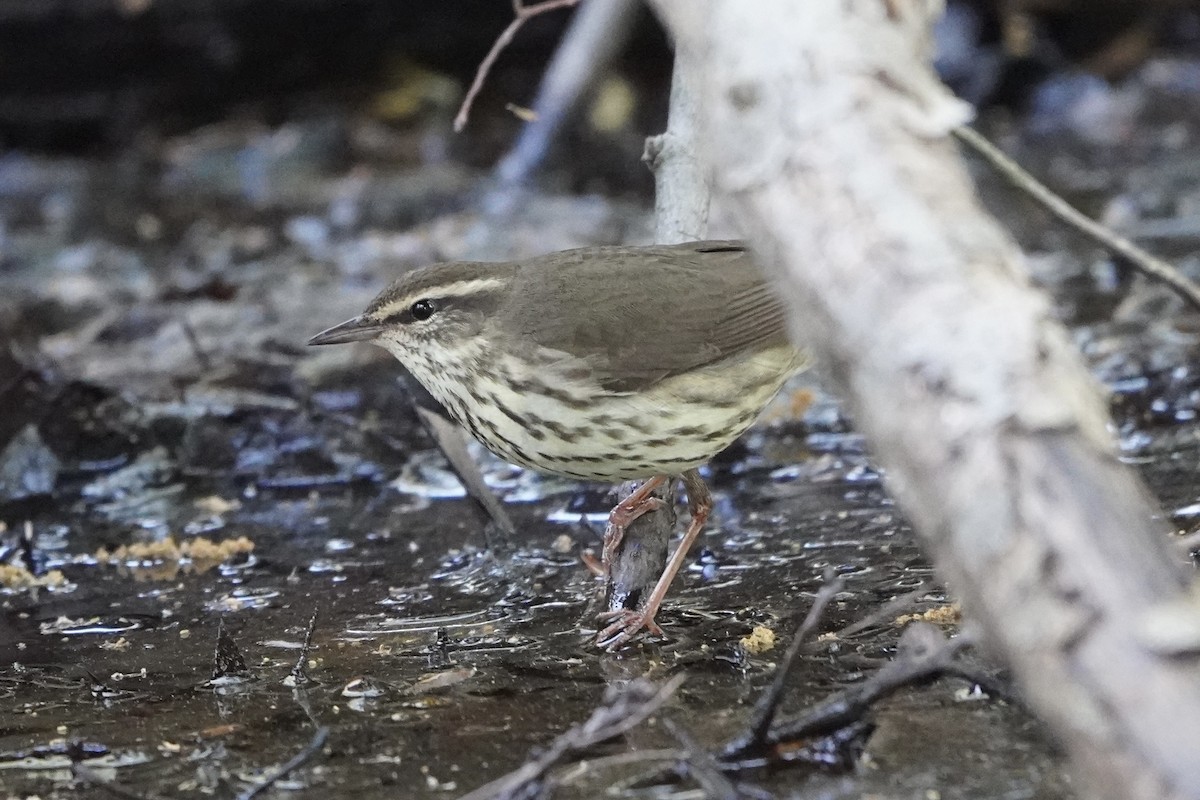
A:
{"points": [[829, 132]]}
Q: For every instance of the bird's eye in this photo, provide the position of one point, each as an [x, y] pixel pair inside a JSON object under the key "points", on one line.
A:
{"points": [[422, 310]]}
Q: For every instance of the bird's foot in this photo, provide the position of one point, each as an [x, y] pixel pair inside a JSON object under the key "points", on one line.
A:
{"points": [[626, 622]]}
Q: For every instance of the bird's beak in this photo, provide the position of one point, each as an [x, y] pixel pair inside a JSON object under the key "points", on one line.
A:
{"points": [[352, 330]]}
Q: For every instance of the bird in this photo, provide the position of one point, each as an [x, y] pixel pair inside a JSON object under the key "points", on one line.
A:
{"points": [[603, 363]]}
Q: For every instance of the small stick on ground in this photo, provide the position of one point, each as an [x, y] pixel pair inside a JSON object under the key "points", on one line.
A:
{"points": [[923, 654], [768, 704], [523, 13], [623, 709], [891, 608], [452, 441], [1142, 260], [300, 759], [193, 341], [85, 774], [299, 673], [699, 764]]}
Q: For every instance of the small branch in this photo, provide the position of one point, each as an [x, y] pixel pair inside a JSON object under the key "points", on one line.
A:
{"points": [[193, 341], [299, 673], [297, 761], [682, 183], [597, 33], [768, 704], [505, 38], [86, 775], [452, 441], [700, 765], [923, 654], [888, 611], [1141, 260], [622, 710]]}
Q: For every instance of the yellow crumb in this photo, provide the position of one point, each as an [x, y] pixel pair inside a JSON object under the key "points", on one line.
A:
{"points": [[13, 576], [950, 614], [759, 640], [165, 558], [216, 505]]}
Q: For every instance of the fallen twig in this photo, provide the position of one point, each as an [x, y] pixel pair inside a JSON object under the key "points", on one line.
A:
{"points": [[299, 673], [768, 704], [700, 765], [890, 609], [623, 709], [85, 774], [923, 653], [596, 34], [300, 759], [452, 441], [1141, 260]]}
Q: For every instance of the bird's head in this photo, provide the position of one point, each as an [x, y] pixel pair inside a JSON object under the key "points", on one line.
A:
{"points": [[431, 315]]}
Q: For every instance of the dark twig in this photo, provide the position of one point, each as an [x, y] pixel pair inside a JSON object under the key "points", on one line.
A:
{"points": [[193, 341], [923, 653], [84, 774], [768, 704], [299, 673], [1141, 260], [299, 676], [452, 441], [596, 34], [523, 13], [890, 609], [699, 764], [300, 759], [623, 709]]}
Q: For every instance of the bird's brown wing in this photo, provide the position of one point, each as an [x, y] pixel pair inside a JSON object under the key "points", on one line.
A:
{"points": [[637, 315]]}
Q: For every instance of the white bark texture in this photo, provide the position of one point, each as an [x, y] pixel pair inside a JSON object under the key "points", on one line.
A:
{"points": [[829, 133]]}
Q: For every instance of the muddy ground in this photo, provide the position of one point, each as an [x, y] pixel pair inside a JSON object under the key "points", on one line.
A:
{"points": [[176, 467]]}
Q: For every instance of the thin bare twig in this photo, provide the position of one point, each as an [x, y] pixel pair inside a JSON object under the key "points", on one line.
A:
{"points": [[86, 775], [890, 609], [299, 673], [923, 654], [295, 762], [1141, 260], [768, 703], [593, 765], [700, 766], [523, 13], [622, 710]]}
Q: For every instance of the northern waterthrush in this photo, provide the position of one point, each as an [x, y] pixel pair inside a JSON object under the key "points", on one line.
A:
{"points": [[601, 364]]}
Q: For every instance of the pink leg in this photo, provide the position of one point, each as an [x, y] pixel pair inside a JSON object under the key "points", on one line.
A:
{"points": [[627, 622]]}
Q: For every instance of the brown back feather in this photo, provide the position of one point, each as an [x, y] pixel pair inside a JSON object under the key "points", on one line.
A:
{"points": [[640, 336]]}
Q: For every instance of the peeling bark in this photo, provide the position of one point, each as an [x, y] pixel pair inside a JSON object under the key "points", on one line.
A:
{"points": [[830, 134]]}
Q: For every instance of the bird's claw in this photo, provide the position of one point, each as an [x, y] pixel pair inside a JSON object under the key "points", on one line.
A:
{"points": [[624, 626], [618, 521]]}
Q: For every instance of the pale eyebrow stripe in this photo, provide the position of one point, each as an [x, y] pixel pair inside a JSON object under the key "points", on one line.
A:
{"points": [[460, 289]]}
